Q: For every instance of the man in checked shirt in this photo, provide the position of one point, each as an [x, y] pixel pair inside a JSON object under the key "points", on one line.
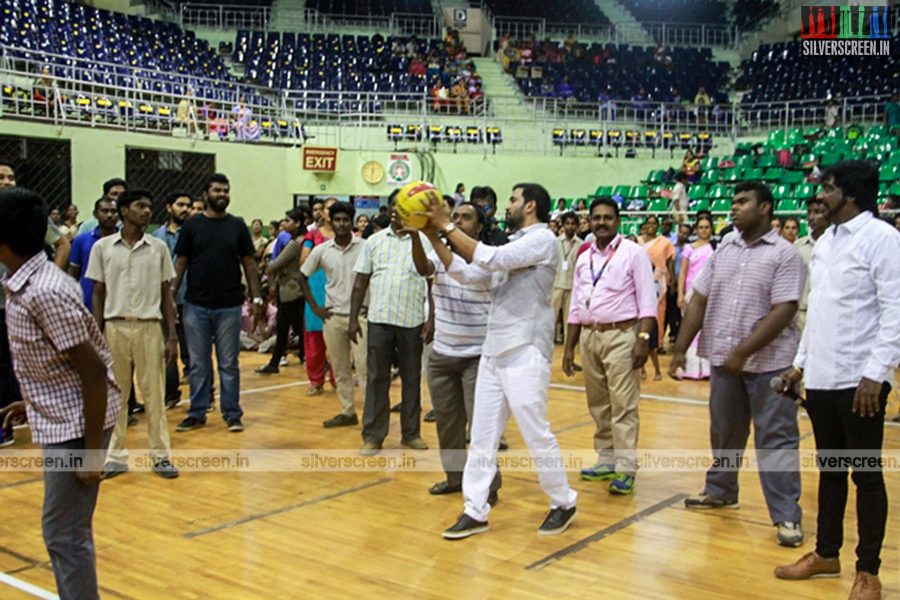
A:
{"points": [[71, 400]]}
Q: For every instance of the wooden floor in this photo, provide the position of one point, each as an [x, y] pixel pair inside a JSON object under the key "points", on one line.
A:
{"points": [[356, 535]]}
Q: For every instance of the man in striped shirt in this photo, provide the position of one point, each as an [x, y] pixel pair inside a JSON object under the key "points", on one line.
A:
{"points": [[395, 319], [462, 301]]}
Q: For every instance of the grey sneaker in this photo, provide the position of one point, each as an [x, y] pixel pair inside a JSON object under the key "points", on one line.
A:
{"points": [[704, 501], [165, 469], [790, 534]]}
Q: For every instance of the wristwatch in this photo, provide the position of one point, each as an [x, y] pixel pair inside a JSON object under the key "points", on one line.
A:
{"points": [[258, 301], [644, 336], [446, 229]]}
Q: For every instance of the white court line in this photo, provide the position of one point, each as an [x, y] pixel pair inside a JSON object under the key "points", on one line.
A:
{"points": [[27, 587], [272, 387], [677, 400]]}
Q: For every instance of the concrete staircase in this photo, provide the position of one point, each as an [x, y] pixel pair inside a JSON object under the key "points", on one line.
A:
{"points": [[617, 13], [500, 89]]}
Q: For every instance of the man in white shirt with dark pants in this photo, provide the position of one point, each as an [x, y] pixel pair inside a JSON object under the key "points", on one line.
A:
{"points": [[514, 372], [847, 356]]}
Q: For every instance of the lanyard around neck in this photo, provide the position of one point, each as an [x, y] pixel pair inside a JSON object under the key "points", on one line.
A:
{"points": [[596, 276]]}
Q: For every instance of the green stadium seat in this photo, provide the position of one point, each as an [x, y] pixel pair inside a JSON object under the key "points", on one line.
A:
{"points": [[731, 175], [782, 190], [719, 191], [710, 162], [776, 138], [699, 204], [659, 205], [888, 173], [788, 205], [697, 191], [772, 174], [829, 159], [639, 191], [622, 190], [603, 190], [804, 227], [709, 176], [894, 190], [795, 136], [804, 191], [753, 174], [767, 160], [792, 177], [743, 162], [721, 205]]}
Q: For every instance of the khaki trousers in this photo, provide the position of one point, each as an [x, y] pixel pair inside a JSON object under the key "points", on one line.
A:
{"points": [[340, 352], [137, 346], [561, 299], [613, 391]]}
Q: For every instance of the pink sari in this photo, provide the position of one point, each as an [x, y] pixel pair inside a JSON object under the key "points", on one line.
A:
{"points": [[695, 367]]}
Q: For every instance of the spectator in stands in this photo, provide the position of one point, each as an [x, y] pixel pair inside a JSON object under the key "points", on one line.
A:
{"points": [[72, 401], [412, 47], [548, 90], [559, 210], [701, 104], [817, 221], [831, 114], [745, 299], [892, 113], [459, 195], [186, 112], [564, 89], [460, 94], [440, 96], [131, 272], [690, 165], [791, 229], [417, 67], [680, 200], [44, 90], [397, 48], [212, 248], [847, 359], [570, 42], [613, 321], [581, 206], [485, 199], [396, 317]]}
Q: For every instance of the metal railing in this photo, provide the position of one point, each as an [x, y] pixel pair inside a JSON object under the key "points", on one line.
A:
{"points": [[213, 16]]}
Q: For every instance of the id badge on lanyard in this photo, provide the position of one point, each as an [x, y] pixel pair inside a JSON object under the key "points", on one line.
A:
{"points": [[596, 276]]}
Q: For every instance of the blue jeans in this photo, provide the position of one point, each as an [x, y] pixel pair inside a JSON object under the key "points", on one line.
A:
{"points": [[201, 326]]}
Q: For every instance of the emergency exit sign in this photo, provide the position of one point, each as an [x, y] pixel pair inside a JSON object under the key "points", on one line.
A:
{"points": [[319, 159]]}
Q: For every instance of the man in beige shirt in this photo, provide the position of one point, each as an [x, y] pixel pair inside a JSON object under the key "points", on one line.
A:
{"points": [[132, 272], [569, 243], [817, 222]]}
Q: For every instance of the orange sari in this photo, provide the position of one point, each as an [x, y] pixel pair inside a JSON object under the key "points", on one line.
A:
{"points": [[661, 251]]}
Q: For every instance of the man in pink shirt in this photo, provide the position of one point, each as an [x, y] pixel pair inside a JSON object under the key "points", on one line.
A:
{"points": [[614, 300]]}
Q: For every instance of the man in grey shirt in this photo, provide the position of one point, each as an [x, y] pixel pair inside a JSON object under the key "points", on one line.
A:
{"points": [[514, 372]]}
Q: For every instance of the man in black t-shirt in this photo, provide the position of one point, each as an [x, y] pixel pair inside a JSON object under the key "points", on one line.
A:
{"points": [[213, 247]]}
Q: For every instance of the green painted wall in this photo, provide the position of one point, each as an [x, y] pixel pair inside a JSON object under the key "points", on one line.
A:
{"points": [[264, 178]]}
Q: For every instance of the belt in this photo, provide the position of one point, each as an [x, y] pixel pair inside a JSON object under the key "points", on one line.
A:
{"points": [[133, 320], [620, 325]]}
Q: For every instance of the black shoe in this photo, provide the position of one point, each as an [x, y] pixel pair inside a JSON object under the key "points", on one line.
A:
{"points": [[114, 469], [190, 423], [235, 425], [429, 417], [443, 487], [396, 407], [132, 420], [172, 403], [464, 527], [493, 498], [165, 469], [138, 409], [557, 521], [268, 369], [341, 420]]}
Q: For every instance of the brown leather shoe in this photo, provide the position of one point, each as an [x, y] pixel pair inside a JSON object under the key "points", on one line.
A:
{"points": [[866, 587], [809, 566]]}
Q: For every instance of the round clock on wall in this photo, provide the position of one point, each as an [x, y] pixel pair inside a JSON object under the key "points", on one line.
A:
{"points": [[373, 172]]}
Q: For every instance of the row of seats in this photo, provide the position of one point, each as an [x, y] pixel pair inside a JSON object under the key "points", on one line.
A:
{"points": [[328, 62], [375, 8], [677, 11], [633, 68], [777, 72]]}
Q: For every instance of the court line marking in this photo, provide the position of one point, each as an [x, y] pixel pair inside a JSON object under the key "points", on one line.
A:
{"points": [[679, 400], [284, 509], [22, 482], [26, 587], [280, 386], [603, 533], [20, 557]]}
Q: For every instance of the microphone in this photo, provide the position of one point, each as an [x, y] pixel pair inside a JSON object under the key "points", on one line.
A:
{"points": [[792, 392]]}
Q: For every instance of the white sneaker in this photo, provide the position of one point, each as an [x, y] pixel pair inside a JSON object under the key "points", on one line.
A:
{"points": [[283, 361], [790, 534]]}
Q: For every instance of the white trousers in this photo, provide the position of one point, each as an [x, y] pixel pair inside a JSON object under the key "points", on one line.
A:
{"points": [[515, 382]]}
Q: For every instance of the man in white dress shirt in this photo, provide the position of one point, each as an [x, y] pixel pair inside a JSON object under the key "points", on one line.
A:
{"points": [[847, 357], [514, 372]]}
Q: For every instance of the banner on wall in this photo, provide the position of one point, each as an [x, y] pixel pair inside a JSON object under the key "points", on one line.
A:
{"points": [[322, 160], [399, 170]]}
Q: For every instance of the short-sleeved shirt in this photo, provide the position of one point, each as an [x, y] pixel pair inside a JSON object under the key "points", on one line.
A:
{"points": [[214, 248], [133, 276], [337, 263], [80, 256], [45, 318], [396, 290], [280, 242], [742, 283]]}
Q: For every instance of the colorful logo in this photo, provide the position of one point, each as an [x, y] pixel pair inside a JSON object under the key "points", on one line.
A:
{"points": [[845, 22]]}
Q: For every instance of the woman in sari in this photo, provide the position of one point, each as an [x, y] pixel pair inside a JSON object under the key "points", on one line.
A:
{"points": [[693, 257]]}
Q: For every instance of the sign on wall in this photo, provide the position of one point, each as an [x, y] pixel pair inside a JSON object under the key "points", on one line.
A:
{"points": [[399, 169], [319, 159]]}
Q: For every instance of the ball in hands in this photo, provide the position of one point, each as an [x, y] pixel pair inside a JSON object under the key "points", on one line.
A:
{"points": [[416, 198]]}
